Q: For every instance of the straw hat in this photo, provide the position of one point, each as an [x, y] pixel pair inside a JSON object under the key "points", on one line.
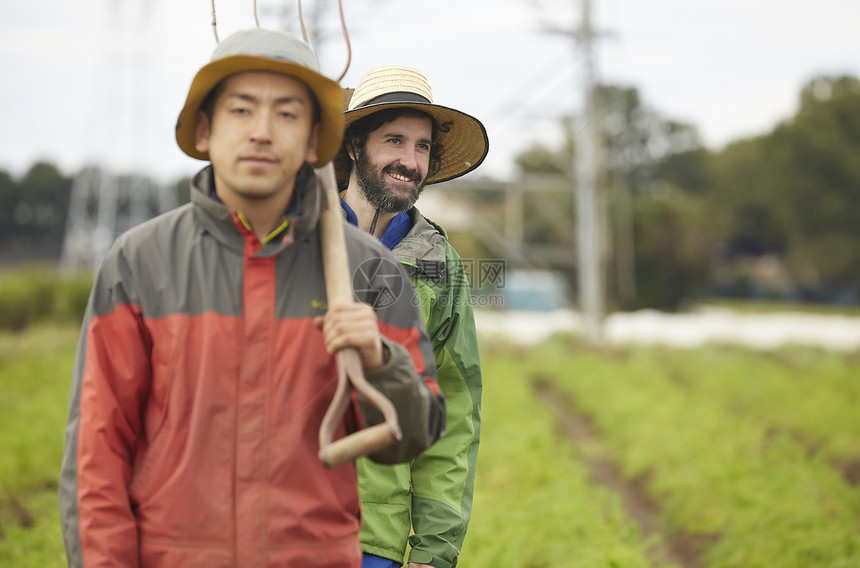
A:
{"points": [[462, 137], [265, 50]]}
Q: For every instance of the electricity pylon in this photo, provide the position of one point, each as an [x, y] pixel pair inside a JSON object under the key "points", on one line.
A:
{"points": [[104, 203]]}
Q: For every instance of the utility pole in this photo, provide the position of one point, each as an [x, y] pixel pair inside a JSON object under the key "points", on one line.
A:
{"points": [[589, 265], [589, 212]]}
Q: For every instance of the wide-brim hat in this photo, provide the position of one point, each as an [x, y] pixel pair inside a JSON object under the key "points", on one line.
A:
{"points": [[463, 138], [265, 50]]}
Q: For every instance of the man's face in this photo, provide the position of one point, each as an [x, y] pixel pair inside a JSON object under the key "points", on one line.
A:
{"points": [[392, 167], [260, 134]]}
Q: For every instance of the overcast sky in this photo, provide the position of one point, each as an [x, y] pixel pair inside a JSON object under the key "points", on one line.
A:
{"points": [[103, 80]]}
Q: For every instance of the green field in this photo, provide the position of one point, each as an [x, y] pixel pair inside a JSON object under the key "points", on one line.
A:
{"points": [[716, 457], [752, 455], [35, 373]]}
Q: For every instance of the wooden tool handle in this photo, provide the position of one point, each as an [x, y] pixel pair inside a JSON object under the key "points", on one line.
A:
{"points": [[357, 444], [338, 280]]}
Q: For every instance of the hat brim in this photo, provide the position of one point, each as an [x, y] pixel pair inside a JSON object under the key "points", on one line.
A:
{"points": [[327, 92], [463, 138]]}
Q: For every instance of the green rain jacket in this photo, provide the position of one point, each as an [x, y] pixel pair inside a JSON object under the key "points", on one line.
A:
{"points": [[433, 494]]}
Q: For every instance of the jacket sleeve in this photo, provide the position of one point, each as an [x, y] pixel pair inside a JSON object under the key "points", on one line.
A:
{"points": [[443, 477], [408, 378], [420, 407], [109, 383]]}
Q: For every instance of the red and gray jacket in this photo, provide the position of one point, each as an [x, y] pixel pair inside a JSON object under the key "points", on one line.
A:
{"points": [[199, 388]]}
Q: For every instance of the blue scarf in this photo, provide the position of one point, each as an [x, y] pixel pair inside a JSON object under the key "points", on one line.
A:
{"points": [[395, 232]]}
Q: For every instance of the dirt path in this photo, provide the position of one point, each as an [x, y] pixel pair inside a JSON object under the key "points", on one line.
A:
{"points": [[671, 547]]}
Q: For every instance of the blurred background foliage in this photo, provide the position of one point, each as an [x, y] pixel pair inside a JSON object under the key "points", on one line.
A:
{"points": [[769, 217]]}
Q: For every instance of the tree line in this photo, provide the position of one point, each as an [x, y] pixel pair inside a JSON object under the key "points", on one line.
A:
{"points": [[772, 216], [33, 213], [34, 210]]}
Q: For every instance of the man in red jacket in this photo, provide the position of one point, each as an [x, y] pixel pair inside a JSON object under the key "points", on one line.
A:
{"points": [[204, 366]]}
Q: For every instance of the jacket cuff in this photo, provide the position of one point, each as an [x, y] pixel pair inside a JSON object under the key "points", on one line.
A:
{"points": [[424, 557], [421, 415]]}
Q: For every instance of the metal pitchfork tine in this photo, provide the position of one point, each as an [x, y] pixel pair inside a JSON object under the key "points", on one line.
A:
{"points": [[350, 372]]}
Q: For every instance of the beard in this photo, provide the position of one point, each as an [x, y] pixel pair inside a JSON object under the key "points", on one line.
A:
{"points": [[374, 187]]}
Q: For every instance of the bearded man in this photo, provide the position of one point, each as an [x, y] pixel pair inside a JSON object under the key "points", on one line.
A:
{"points": [[396, 142]]}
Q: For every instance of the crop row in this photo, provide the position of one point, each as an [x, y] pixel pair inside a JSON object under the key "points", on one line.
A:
{"points": [[745, 450], [748, 454]]}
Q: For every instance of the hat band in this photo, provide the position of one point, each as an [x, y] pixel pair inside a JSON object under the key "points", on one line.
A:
{"points": [[398, 97]]}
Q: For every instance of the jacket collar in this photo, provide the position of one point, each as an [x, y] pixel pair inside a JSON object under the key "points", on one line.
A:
{"points": [[424, 247], [398, 227], [302, 212]]}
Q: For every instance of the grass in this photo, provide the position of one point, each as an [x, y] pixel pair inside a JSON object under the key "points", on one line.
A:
{"points": [[39, 295], [767, 307], [38, 545], [35, 374], [534, 505], [739, 448], [733, 445]]}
